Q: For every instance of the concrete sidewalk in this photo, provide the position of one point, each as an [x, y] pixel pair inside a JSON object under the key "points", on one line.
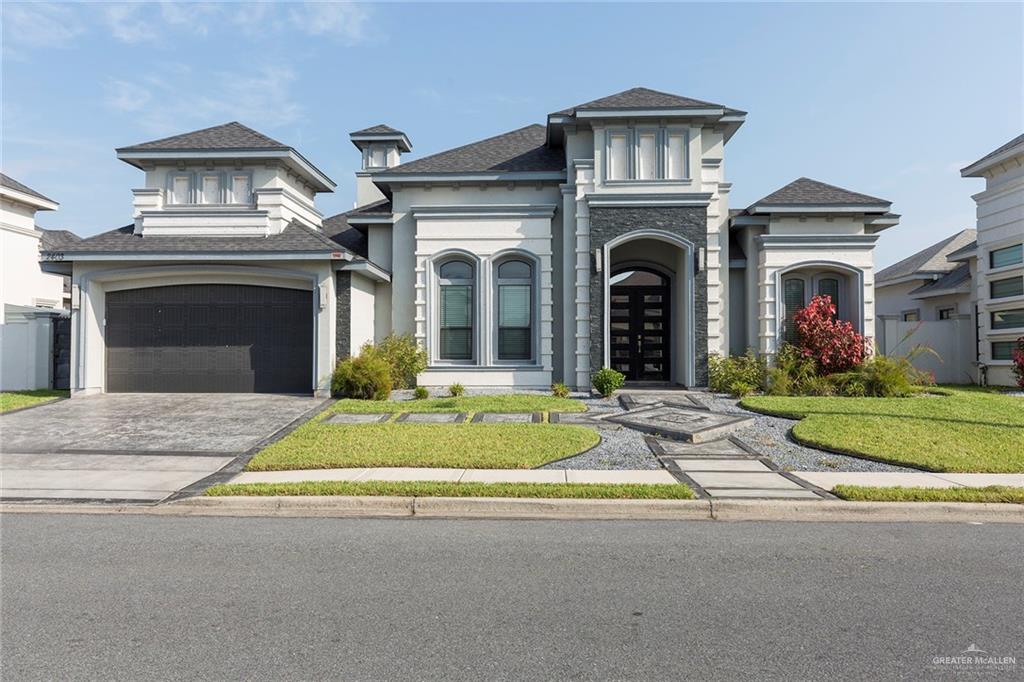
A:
{"points": [[460, 475], [829, 479]]}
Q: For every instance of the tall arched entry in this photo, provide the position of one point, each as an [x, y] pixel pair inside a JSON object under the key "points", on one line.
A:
{"points": [[640, 323]]}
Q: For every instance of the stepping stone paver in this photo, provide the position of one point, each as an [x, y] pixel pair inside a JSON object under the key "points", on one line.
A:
{"points": [[344, 418], [697, 426], [715, 447], [432, 417], [583, 419], [509, 418], [730, 479], [749, 465]]}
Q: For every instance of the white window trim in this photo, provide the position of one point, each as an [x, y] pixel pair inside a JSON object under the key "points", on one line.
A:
{"points": [[229, 192], [661, 137], [1004, 268], [199, 194], [434, 309], [534, 282]]}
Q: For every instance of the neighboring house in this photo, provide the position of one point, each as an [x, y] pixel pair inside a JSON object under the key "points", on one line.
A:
{"points": [[927, 286], [997, 259], [30, 299], [603, 238]]}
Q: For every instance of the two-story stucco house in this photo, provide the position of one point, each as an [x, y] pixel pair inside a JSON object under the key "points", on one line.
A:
{"points": [[602, 238]]}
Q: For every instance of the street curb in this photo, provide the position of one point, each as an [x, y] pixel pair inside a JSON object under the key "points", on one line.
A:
{"points": [[846, 511], [830, 511]]}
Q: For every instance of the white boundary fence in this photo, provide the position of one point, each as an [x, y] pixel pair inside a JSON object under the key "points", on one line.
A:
{"points": [[952, 340]]}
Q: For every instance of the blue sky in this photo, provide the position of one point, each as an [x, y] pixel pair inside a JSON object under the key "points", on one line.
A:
{"points": [[890, 100]]}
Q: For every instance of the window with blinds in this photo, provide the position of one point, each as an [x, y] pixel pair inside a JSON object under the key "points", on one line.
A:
{"points": [[1002, 350], [1008, 319], [515, 310], [1011, 286], [1010, 255], [829, 286], [792, 300], [456, 311]]}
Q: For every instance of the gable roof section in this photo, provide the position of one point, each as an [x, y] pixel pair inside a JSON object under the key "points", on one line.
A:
{"points": [[518, 151], [808, 192], [642, 98], [927, 262], [56, 240], [231, 135], [294, 239], [380, 129], [337, 229], [948, 283], [965, 252], [994, 156], [10, 183]]}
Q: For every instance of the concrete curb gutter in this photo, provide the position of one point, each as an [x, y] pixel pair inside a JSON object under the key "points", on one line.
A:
{"points": [[846, 511], [539, 508]]}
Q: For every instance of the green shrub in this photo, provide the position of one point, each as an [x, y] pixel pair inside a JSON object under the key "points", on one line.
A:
{"points": [[879, 376], [560, 390], [421, 393], [456, 390], [367, 377], [742, 370], [403, 355], [818, 386], [791, 372], [606, 381], [740, 389]]}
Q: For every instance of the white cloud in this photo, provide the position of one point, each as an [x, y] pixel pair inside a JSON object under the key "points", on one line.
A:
{"points": [[129, 22], [343, 20], [178, 99], [34, 25]]}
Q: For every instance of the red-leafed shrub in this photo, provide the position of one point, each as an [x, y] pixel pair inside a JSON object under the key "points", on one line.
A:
{"points": [[833, 343], [1018, 362]]}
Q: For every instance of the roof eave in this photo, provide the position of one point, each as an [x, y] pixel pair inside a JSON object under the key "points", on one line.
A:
{"points": [[294, 158], [475, 176], [978, 168], [65, 256], [39, 202], [819, 208], [403, 141]]}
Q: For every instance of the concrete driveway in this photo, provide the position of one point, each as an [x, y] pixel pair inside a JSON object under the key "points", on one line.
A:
{"points": [[136, 446]]}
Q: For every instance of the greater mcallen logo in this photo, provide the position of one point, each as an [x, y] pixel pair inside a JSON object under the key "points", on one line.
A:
{"points": [[974, 659]]}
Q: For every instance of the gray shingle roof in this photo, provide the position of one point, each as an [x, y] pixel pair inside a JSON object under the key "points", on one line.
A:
{"points": [[295, 238], [641, 98], [805, 191], [337, 229], [997, 151], [521, 150], [378, 130], [232, 135], [56, 240], [928, 261], [965, 251], [949, 281], [10, 183], [377, 208]]}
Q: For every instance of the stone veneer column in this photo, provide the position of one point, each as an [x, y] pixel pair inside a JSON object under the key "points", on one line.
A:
{"points": [[343, 303], [689, 222]]}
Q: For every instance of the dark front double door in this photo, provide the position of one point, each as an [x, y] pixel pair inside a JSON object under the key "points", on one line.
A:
{"points": [[639, 332]]}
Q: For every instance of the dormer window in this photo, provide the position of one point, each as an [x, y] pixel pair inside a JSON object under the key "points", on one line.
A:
{"points": [[180, 188], [209, 189], [646, 154]]}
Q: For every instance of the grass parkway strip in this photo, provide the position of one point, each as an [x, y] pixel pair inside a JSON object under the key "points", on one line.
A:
{"points": [[438, 489], [994, 493]]}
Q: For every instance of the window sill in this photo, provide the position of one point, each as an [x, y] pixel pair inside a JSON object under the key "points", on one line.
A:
{"points": [[487, 368]]}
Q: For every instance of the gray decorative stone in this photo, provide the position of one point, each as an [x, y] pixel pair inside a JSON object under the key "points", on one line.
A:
{"points": [[357, 418], [432, 417], [508, 418], [343, 303], [697, 426]]}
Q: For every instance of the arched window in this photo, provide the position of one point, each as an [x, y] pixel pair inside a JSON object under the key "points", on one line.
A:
{"points": [[514, 293], [829, 286], [793, 292], [456, 296]]}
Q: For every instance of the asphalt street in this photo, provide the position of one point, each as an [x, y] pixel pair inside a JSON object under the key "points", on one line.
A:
{"points": [[143, 597]]}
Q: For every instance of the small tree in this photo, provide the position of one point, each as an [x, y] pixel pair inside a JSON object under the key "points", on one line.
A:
{"points": [[1018, 362], [833, 343]]}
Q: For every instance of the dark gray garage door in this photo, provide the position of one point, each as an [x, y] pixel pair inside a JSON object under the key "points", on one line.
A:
{"points": [[210, 338]]}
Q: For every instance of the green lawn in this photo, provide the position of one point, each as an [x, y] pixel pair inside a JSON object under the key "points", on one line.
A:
{"points": [[472, 404], [15, 400], [968, 430], [436, 489], [994, 493]]}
